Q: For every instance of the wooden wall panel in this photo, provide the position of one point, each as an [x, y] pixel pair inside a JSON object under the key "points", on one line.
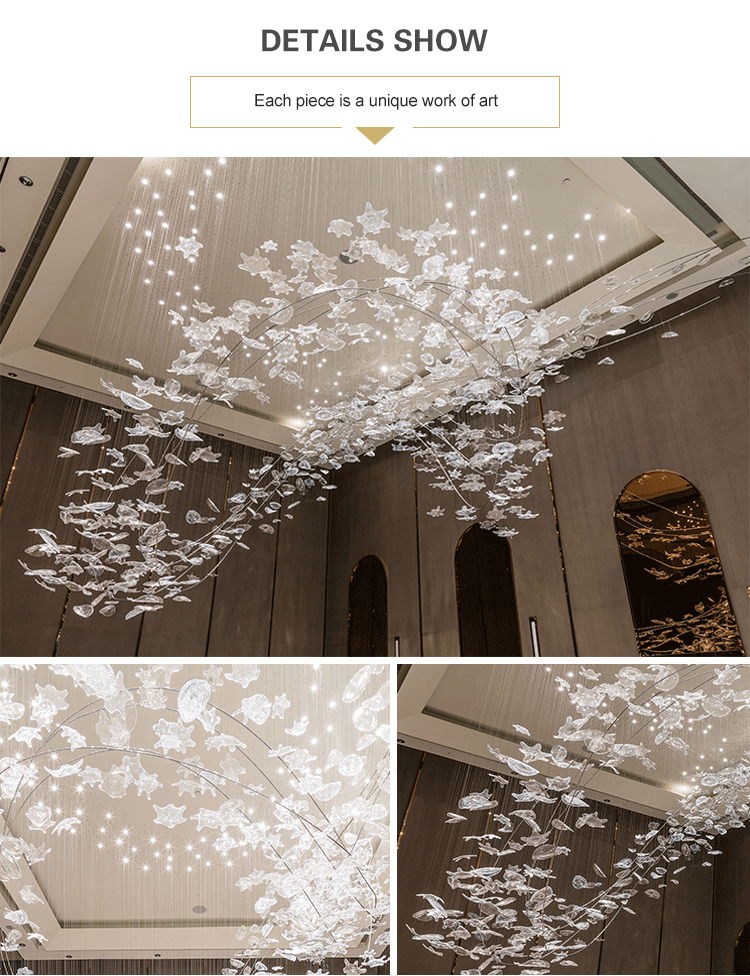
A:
{"points": [[588, 845], [731, 897], [29, 615], [675, 934], [679, 404], [621, 951], [182, 628], [15, 402], [537, 572], [408, 769], [373, 513], [298, 623], [427, 847], [687, 922], [229, 614], [243, 590]]}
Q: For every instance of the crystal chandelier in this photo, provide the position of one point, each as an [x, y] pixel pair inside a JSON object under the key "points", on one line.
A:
{"points": [[514, 915], [225, 755], [459, 407]]}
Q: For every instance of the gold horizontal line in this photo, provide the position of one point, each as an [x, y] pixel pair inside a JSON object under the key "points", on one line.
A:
{"points": [[266, 127], [486, 126], [376, 76]]}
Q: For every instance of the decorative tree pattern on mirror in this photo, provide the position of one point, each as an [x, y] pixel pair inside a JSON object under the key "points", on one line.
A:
{"points": [[486, 596], [368, 609], [678, 595]]}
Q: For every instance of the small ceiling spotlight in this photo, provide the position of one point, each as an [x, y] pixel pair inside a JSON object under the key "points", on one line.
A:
{"points": [[25, 180]]}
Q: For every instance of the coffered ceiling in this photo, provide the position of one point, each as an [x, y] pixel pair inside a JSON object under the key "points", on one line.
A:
{"points": [[103, 277], [456, 710], [116, 883]]}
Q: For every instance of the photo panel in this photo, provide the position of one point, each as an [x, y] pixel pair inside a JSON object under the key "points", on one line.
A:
{"points": [[203, 816], [556, 816]]}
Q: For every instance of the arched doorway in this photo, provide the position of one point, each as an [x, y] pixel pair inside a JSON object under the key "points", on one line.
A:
{"points": [[368, 609], [486, 596], [675, 583]]}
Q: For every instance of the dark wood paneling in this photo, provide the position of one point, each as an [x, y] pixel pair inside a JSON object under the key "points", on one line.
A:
{"points": [[588, 845], [15, 402], [427, 847], [687, 922], [182, 628], [165, 967], [539, 583], [622, 951], [299, 593], [408, 765], [29, 615], [731, 897], [373, 513], [677, 404], [243, 592]]}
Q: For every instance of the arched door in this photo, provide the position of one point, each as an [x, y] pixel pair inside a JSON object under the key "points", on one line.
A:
{"points": [[486, 596], [676, 587], [368, 609]]}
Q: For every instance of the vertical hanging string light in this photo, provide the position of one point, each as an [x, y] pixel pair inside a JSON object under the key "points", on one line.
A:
{"points": [[457, 406], [279, 773], [519, 910]]}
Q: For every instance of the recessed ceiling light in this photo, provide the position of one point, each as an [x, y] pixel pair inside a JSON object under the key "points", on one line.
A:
{"points": [[199, 909]]}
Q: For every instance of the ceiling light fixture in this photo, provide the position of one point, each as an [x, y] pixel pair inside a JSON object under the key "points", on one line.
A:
{"points": [[485, 350], [195, 750], [526, 913]]}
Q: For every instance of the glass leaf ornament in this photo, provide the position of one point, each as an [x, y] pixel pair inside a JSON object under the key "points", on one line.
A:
{"points": [[513, 908], [458, 404], [184, 760]]}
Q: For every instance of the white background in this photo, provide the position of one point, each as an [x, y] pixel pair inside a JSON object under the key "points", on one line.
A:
{"points": [[637, 78]]}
